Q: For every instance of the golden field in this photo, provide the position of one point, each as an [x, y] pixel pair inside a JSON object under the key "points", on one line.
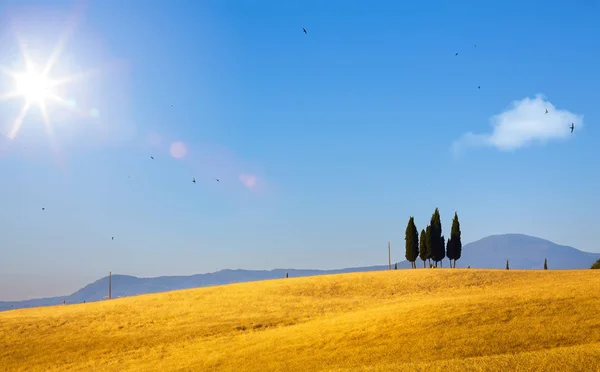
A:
{"points": [[404, 320]]}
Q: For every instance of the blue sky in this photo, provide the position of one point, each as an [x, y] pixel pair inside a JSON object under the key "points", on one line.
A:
{"points": [[324, 143]]}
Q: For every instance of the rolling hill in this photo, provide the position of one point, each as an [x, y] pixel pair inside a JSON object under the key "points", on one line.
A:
{"points": [[126, 285], [524, 252], [405, 320]]}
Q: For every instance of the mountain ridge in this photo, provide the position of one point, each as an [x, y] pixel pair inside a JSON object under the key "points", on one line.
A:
{"points": [[523, 252]]}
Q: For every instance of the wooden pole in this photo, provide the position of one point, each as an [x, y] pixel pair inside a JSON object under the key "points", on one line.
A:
{"points": [[109, 285], [389, 257]]}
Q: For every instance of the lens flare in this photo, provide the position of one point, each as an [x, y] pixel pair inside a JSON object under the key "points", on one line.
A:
{"points": [[178, 150]]}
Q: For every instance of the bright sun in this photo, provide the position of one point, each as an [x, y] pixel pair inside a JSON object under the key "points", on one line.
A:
{"points": [[35, 87]]}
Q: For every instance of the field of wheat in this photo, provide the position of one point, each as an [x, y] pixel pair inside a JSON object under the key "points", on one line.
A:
{"points": [[412, 320]]}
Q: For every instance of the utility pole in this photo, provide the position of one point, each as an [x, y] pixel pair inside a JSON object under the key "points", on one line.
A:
{"points": [[389, 257], [109, 285]]}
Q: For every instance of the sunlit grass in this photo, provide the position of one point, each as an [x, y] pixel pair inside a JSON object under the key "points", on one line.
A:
{"points": [[413, 320]]}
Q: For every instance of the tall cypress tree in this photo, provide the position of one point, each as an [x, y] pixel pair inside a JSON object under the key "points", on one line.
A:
{"points": [[412, 242], [545, 264], [423, 252], [435, 237], [416, 246], [455, 238]]}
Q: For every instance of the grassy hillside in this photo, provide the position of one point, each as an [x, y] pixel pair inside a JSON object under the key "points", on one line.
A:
{"points": [[413, 320]]}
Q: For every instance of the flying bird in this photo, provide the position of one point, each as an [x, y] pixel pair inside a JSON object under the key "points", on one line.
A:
{"points": [[152, 157], [194, 179], [479, 87], [113, 238], [43, 209], [456, 54], [303, 30], [218, 180], [546, 111], [572, 127]]}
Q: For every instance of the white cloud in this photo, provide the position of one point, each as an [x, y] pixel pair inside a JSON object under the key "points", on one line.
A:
{"points": [[523, 123]]}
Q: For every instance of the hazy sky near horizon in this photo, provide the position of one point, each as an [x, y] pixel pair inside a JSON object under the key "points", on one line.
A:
{"points": [[324, 143]]}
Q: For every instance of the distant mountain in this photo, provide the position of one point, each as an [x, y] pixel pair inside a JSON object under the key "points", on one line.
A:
{"points": [[523, 252]]}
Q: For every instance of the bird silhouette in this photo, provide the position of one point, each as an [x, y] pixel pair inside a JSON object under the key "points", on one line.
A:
{"points": [[572, 127], [456, 54], [152, 157], [43, 209], [479, 87], [546, 111], [112, 238], [218, 180], [193, 179], [303, 30]]}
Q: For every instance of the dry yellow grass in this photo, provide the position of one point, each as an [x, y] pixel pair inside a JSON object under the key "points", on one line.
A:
{"points": [[413, 320]]}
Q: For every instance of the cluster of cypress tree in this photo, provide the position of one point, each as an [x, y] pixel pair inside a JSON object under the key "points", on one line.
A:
{"points": [[431, 245]]}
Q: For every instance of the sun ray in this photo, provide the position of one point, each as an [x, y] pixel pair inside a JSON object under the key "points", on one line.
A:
{"points": [[46, 119], [25, 54], [72, 78], [9, 95], [19, 120], [54, 57], [60, 45], [63, 102], [58, 156], [8, 72]]}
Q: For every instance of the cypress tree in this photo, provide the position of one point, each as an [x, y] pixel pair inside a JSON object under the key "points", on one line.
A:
{"points": [[423, 247], [412, 242], [506, 264], [450, 250], [449, 253], [455, 238], [442, 251], [596, 265], [415, 246], [545, 264], [434, 236], [430, 244], [396, 265]]}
